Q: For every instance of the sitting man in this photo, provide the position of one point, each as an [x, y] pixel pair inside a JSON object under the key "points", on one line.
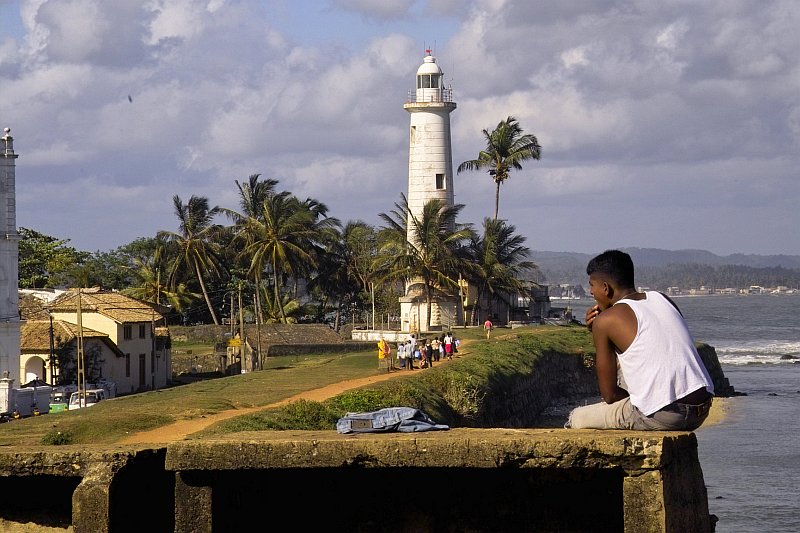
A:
{"points": [[648, 370]]}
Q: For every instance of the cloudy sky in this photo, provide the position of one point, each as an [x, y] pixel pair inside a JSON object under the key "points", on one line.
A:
{"points": [[672, 124]]}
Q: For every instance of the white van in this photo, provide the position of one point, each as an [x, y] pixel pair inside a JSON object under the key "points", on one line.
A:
{"points": [[92, 396]]}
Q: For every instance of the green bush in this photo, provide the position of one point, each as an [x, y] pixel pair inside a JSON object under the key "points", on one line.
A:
{"points": [[464, 396], [57, 438]]}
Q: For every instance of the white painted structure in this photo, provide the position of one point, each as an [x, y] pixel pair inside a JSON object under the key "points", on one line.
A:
{"points": [[9, 261], [430, 175], [430, 161]]}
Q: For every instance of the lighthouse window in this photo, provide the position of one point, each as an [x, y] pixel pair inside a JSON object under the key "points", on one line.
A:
{"points": [[428, 81], [440, 181]]}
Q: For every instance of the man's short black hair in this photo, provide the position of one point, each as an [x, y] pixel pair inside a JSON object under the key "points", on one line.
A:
{"points": [[616, 265]]}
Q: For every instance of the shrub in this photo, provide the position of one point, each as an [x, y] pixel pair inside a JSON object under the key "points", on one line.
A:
{"points": [[57, 438], [464, 396]]}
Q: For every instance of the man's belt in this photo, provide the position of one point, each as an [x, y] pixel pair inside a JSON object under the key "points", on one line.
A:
{"points": [[690, 409]]}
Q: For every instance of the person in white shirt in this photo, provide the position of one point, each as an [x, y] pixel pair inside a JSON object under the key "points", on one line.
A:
{"points": [[649, 372]]}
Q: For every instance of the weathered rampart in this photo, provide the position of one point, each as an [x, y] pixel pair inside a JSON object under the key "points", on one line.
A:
{"points": [[454, 480]]}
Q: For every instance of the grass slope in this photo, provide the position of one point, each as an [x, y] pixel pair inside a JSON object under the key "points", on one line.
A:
{"points": [[449, 392]]}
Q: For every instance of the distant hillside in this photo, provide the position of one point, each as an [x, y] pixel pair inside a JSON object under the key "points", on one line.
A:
{"points": [[660, 266]]}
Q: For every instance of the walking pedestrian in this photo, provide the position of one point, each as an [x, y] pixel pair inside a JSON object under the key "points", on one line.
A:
{"points": [[401, 354], [384, 354], [435, 345], [448, 346]]}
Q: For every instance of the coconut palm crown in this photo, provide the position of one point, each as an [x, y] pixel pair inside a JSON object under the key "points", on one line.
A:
{"points": [[506, 148]]}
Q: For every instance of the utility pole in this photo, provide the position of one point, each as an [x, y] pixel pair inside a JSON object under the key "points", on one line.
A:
{"points": [[52, 353], [258, 333], [233, 316], [241, 330], [153, 348], [372, 290], [80, 357]]}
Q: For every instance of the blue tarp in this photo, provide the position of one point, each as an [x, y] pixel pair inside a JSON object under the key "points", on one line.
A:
{"points": [[401, 419]]}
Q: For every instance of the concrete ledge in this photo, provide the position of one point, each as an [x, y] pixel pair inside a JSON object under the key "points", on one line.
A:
{"points": [[92, 488], [455, 480], [461, 479]]}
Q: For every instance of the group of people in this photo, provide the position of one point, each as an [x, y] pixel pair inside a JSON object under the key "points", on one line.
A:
{"points": [[413, 353]]}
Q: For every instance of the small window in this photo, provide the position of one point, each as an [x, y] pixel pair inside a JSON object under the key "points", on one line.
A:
{"points": [[141, 331], [127, 365], [413, 134], [440, 181], [127, 332]]}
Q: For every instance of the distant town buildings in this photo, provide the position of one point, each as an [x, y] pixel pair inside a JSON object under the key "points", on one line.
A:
{"points": [[568, 292]]}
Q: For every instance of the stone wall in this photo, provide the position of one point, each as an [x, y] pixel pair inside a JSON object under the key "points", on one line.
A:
{"points": [[269, 333], [558, 378], [455, 480]]}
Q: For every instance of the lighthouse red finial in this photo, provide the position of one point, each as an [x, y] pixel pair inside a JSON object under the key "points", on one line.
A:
{"points": [[428, 51]]}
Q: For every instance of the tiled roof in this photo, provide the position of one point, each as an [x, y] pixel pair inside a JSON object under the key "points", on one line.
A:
{"points": [[32, 308], [35, 334], [114, 305]]}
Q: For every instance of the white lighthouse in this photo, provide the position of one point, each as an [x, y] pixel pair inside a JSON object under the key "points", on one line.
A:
{"points": [[430, 175], [9, 262]]}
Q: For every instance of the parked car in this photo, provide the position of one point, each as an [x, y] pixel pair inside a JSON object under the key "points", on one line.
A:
{"points": [[91, 397]]}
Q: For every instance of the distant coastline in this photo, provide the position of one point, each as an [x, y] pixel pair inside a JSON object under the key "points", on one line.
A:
{"points": [[686, 269]]}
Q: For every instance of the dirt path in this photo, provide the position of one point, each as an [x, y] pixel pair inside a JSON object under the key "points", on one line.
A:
{"points": [[180, 429]]}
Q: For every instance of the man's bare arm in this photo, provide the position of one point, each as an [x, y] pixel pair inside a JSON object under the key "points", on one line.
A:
{"points": [[606, 359]]}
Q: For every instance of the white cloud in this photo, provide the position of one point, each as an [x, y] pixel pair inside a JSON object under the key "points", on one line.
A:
{"points": [[675, 105], [385, 9]]}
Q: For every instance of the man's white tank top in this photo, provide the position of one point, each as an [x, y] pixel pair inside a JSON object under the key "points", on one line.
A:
{"points": [[662, 364]]}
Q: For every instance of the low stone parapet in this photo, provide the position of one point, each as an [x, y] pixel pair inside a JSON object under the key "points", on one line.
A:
{"points": [[455, 480], [91, 488]]}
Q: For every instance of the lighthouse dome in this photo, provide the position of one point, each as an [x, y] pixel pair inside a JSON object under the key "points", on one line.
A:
{"points": [[429, 66]]}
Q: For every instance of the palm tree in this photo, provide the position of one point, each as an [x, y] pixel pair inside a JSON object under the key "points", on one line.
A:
{"points": [[322, 231], [149, 287], [499, 259], [344, 267], [198, 250], [285, 311], [279, 238], [506, 148], [252, 195], [432, 255]]}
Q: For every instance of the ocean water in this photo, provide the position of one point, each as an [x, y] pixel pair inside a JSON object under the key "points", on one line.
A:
{"points": [[751, 460]]}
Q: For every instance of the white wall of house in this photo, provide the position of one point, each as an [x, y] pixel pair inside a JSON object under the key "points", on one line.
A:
{"points": [[142, 368]]}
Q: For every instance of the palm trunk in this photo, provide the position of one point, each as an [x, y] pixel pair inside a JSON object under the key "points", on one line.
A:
{"points": [[259, 311], [278, 294], [205, 293], [429, 301], [476, 305], [497, 200]]}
